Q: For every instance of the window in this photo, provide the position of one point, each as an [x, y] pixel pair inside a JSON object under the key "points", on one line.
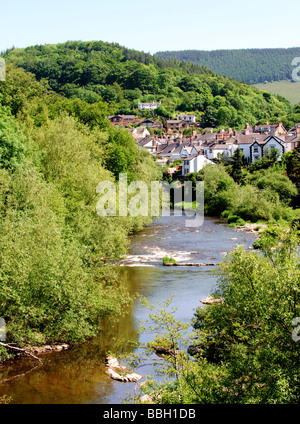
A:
{"points": [[272, 146], [255, 149]]}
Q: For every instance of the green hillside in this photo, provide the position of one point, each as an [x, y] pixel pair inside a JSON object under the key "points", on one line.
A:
{"points": [[109, 73], [289, 90], [250, 65]]}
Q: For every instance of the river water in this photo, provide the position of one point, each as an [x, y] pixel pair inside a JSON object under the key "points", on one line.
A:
{"points": [[78, 375]]}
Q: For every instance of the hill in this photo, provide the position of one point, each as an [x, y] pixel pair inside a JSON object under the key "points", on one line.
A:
{"points": [[119, 77], [289, 90], [249, 65]]}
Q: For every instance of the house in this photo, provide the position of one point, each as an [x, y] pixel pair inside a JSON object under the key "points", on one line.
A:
{"points": [[148, 123], [188, 150], [222, 135], [259, 149], [152, 144], [194, 163], [151, 123], [139, 133], [244, 142], [277, 130], [214, 151], [188, 118], [176, 124], [148, 106], [122, 119]]}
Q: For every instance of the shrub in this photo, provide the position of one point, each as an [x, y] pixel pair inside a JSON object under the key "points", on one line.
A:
{"points": [[167, 260]]}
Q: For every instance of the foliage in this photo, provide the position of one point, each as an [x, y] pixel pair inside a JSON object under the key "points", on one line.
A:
{"points": [[167, 260], [250, 333], [243, 350], [274, 180], [12, 141], [107, 73], [236, 166], [54, 248], [4, 400], [249, 65], [263, 195]]}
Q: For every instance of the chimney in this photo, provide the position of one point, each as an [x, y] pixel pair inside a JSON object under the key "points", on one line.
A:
{"points": [[297, 130], [272, 132]]}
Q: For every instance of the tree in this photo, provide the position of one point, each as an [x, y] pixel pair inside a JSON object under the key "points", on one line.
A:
{"points": [[243, 349], [12, 141], [237, 166]]}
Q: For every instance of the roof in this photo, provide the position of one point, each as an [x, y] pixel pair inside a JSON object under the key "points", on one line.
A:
{"points": [[220, 147], [191, 157], [250, 138]]}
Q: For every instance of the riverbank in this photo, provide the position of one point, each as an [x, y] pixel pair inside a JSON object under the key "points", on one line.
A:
{"points": [[78, 374], [152, 253]]}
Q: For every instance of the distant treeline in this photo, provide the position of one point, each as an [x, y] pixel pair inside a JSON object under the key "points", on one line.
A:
{"points": [[248, 65]]}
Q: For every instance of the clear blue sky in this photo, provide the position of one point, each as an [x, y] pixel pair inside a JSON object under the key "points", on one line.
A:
{"points": [[153, 26]]}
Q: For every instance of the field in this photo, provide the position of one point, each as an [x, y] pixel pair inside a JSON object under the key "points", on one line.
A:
{"points": [[289, 90]]}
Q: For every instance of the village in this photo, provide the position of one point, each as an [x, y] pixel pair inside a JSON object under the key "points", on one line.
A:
{"points": [[171, 143]]}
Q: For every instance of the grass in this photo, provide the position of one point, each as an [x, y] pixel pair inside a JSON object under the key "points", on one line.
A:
{"points": [[289, 90]]}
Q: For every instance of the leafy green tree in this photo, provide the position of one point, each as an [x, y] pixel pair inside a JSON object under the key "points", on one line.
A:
{"points": [[237, 166], [293, 166], [250, 332], [121, 152], [243, 347], [12, 141]]}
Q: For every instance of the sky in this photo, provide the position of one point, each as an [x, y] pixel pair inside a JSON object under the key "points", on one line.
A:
{"points": [[152, 26]]}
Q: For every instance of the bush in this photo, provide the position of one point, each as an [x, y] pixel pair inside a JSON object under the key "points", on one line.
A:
{"points": [[167, 260]]}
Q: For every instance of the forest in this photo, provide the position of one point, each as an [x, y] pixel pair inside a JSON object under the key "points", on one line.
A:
{"points": [[104, 73], [248, 65]]}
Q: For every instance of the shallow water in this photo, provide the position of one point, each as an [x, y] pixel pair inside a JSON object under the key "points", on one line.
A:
{"points": [[78, 375]]}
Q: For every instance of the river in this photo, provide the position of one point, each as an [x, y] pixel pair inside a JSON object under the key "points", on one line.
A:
{"points": [[78, 375]]}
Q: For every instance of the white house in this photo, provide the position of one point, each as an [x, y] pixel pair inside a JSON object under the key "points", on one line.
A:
{"points": [[188, 118], [188, 151], [194, 163], [148, 106], [245, 141], [139, 133], [259, 149], [216, 150]]}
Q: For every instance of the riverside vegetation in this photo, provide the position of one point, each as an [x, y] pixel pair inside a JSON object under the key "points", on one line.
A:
{"points": [[53, 245], [241, 350], [57, 145]]}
